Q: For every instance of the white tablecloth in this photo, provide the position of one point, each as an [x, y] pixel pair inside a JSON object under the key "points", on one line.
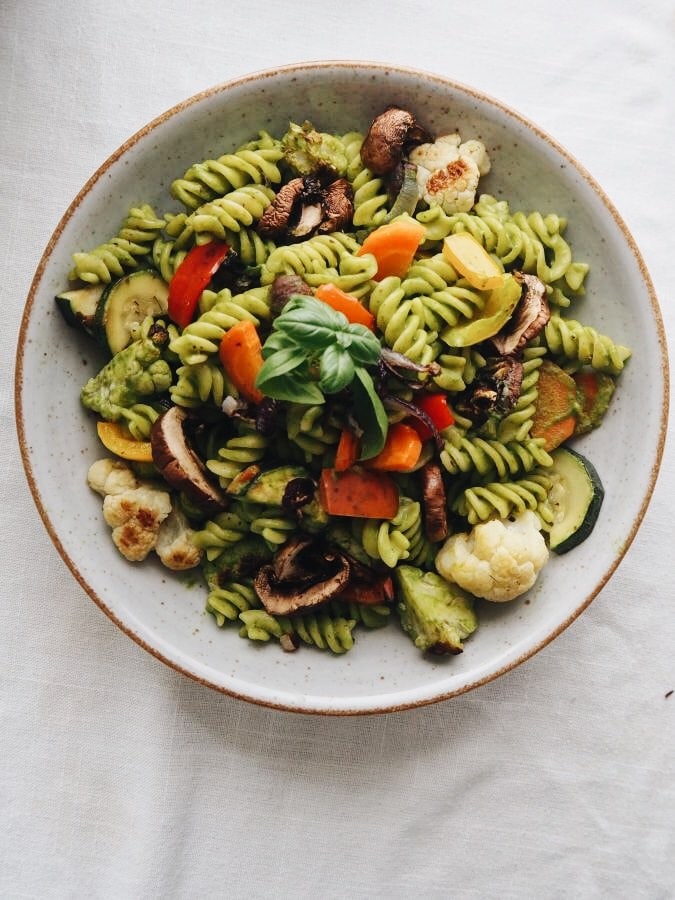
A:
{"points": [[119, 778]]}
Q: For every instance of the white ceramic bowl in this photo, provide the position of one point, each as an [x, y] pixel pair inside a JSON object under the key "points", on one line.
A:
{"points": [[384, 671]]}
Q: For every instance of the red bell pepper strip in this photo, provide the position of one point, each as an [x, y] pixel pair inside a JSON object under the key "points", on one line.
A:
{"points": [[192, 277], [359, 493], [437, 409]]}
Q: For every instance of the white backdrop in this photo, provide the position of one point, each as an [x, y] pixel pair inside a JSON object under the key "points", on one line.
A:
{"points": [[120, 778]]}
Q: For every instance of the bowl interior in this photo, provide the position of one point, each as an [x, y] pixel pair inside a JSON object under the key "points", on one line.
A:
{"points": [[165, 613]]}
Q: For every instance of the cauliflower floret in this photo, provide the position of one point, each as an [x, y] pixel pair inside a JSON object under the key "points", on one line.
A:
{"points": [[448, 171], [135, 517], [174, 543], [110, 476], [498, 560]]}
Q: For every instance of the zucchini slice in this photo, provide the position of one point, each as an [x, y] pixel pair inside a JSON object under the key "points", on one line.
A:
{"points": [[126, 303], [79, 306], [576, 497]]}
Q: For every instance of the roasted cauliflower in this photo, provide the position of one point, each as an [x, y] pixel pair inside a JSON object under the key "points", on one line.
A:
{"points": [[135, 517], [497, 560], [448, 171], [111, 476], [142, 516], [174, 543]]}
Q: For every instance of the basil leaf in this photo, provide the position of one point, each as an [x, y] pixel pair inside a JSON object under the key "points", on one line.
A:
{"points": [[364, 347], [278, 341], [279, 363], [307, 334], [295, 388], [369, 413], [336, 370], [311, 311]]}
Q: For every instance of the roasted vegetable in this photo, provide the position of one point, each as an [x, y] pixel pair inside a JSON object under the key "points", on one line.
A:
{"points": [[137, 371], [436, 615]]}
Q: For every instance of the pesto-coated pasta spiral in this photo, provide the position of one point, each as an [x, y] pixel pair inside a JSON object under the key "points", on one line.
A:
{"points": [[215, 177], [488, 222], [401, 321], [458, 368], [444, 297], [309, 258], [272, 525], [226, 603], [319, 629], [371, 200], [201, 383], [221, 217], [581, 345], [201, 338], [517, 240], [410, 522], [237, 454], [251, 248], [352, 142], [315, 429], [370, 615], [473, 454], [139, 419], [220, 532], [354, 274], [402, 538], [166, 258], [126, 251], [499, 499]]}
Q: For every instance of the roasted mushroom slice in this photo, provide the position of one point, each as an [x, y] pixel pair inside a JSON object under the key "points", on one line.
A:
{"points": [[529, 318], [337, 204], [284, 287], [390, 135], [495, 391], [435, 509], [275, 220], [317, 203], [301, 576], [366, 586], [179, 464]]}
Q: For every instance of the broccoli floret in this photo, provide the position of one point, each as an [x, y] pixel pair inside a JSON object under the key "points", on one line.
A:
{"points": [[435, 614], [306, 150], [135, 372]]}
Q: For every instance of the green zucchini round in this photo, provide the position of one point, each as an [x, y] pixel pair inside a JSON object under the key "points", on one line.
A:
{"points": [[79, 306], [576, 497], [126, 303]]}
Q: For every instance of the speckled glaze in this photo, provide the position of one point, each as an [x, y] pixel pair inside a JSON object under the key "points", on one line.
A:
{"points": [[165, 613]]}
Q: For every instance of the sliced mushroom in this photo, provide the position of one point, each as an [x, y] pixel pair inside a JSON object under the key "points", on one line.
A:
{"points": [[179, 464], [284, 287], [435, 507], [390, 135], [316, 203], [529, 318], [301, 576], [289, 565], [366, 586], [337, 206], [495, 391], [275, 219]]}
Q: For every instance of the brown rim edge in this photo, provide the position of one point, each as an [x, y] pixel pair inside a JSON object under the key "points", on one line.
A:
{"points": [[383, 69]]}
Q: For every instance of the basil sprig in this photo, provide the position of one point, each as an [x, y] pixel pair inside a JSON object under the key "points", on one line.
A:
{"points": [[313, 351]]}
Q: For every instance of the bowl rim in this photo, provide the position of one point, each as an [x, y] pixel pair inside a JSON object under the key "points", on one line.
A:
{"points": [[324, 706]]}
